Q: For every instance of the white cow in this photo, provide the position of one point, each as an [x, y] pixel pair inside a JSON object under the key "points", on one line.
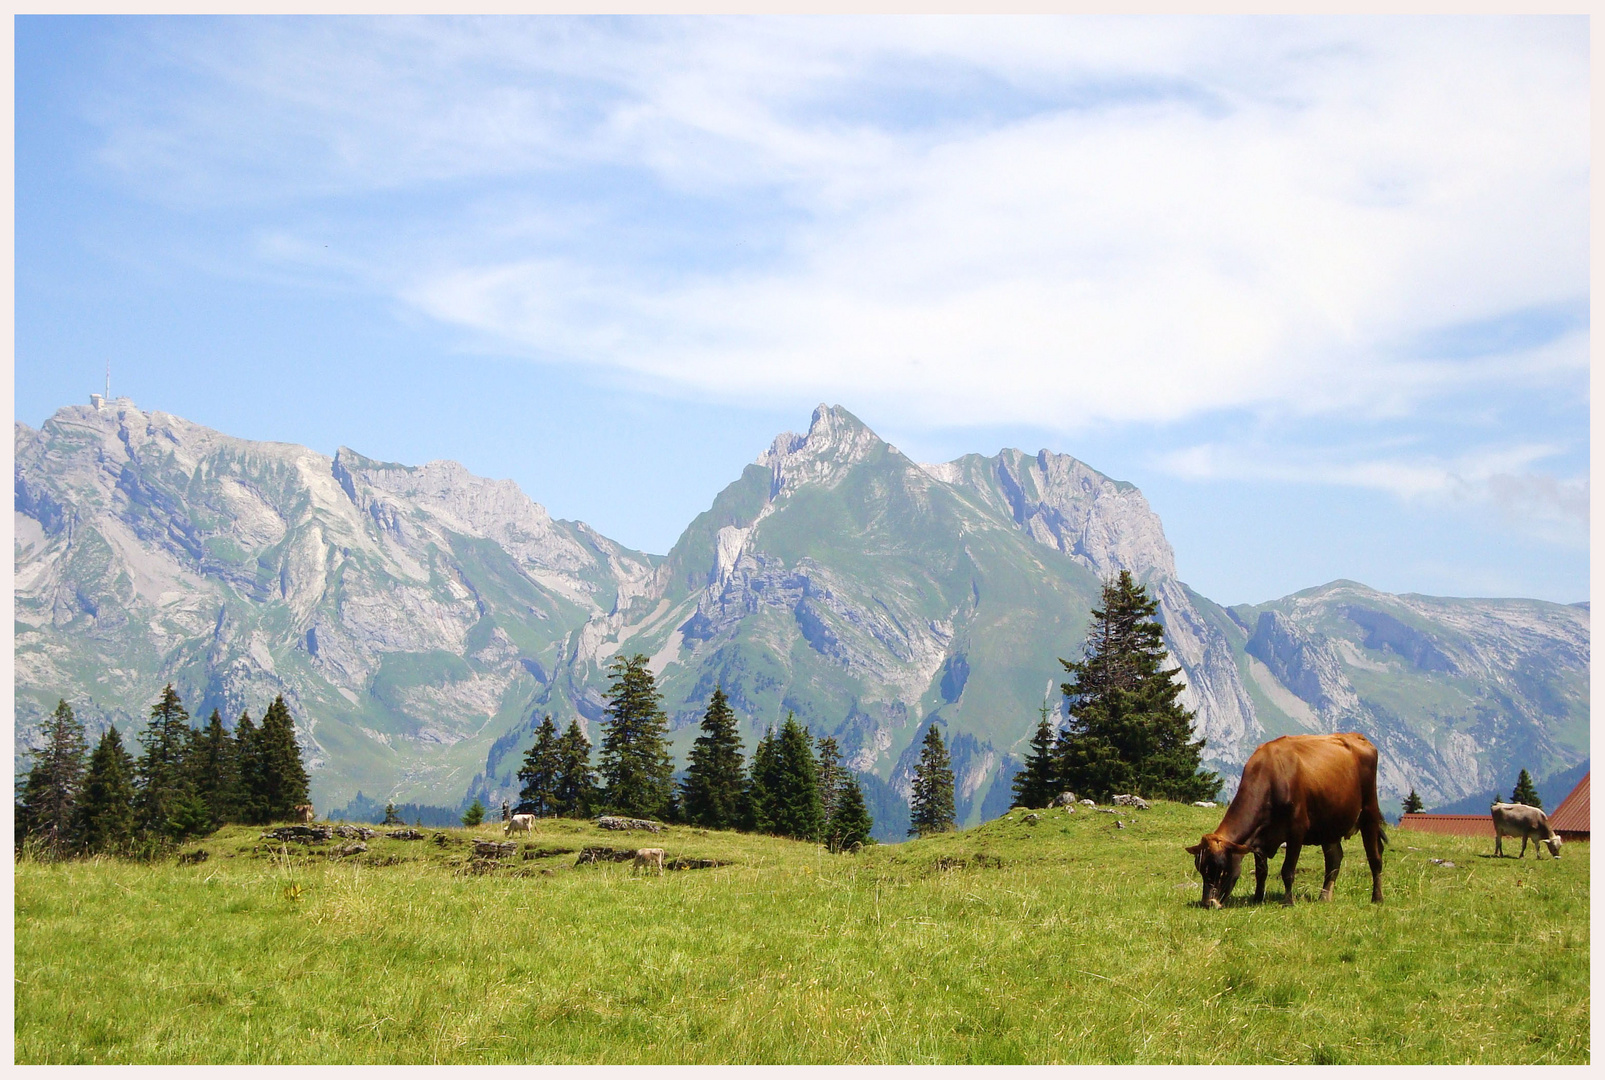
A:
{"points": [[648, 857], [1527, 822], [519, 823]]}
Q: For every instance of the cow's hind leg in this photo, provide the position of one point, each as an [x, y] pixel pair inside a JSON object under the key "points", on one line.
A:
{"points": [[1371, 834], [1289, 864], [1334, 862], [1499, 845], [1262, 867]]}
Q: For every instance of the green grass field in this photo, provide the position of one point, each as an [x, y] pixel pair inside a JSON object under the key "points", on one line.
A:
{"points": [[1062, 941]]}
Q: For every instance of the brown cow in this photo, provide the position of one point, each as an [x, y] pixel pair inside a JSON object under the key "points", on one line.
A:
{"points": [[1296, 790], [306, 813]]}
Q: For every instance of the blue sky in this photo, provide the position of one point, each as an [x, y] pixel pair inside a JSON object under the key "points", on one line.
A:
{"points": [[1318, 287]]}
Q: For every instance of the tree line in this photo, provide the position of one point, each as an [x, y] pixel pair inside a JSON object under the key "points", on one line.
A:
{"points": [[794, 785], [186, 781], [1127, 732]]}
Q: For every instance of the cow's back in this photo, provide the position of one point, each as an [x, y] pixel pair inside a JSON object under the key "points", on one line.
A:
{"points": [[1314, 785]]}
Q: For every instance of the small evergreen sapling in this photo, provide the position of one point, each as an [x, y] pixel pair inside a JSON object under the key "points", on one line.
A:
{"points": [[850, 823], [475, 815], [1412, 803], [391, 817], [1038, 783], [932, 802]]}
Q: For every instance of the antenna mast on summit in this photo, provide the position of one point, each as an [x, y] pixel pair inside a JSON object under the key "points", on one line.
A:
{"points": [[108, 380]]}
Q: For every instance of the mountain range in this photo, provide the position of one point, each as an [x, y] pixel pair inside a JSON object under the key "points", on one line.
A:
{"points": [[420, 620]]}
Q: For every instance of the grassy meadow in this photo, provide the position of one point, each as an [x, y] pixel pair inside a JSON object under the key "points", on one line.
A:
{"points": [[1063, 940]]}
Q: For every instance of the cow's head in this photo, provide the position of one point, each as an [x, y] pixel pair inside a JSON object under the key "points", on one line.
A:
{"points": [[1553, 840], [1219, 861]]}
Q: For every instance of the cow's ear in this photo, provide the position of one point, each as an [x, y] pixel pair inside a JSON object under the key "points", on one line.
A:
{"points": [[1195, 849], [1238, 849]]}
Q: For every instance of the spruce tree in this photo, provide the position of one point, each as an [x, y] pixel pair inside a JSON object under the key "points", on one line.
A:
{"points": [[53, 782], [1525, 792], [831, 776], [763, 785], [281, 778], [214, 769], [850, 823], [710, 795], [161, 776], [102, 820], [794, 808], [931, 804], [1038, 784], [391, 817], [248, 773], [475, 815], [576, 794], [540, 773], [637, 775], [1412, 803], [1128, 733]]}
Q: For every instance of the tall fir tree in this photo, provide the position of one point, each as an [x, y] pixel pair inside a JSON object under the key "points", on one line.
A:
{"points": [[474, 816], [931, 804], [103, 818], [162, 778], [759, 803], [710, 795], [1525, 792], [248, 769], [794, 808], [576, 794], [214, 769], [1038, 784], [1412, 803], [831, 776], [637, 775], [540, 772], [282, 776], [1128, 732], [849, 822], [52, 786]]}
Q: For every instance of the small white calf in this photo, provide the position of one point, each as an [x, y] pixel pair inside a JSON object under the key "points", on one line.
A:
{"points": [[648, 857]]}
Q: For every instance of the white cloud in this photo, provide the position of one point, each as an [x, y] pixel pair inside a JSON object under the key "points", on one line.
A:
{"points": [[1053, 222]]}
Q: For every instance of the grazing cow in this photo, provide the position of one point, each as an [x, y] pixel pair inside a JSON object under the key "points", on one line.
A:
{"points": [[1296, 790], [648, 857], [1527, 822], [519, 823], [306, 813]]}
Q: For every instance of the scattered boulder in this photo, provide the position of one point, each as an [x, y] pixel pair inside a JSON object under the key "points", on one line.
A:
{"points": [[356, 847], [1106, 810], [1031, 819], [692, 864], [1206, 804], [193, 858], [1445, 863], [1136, 802], [1120, 824], [304, 833], [546, 852], [1088, 802], [607, 821], [605, 854], [1064, 798], [441, 839], [403, 834], [491, 849], [353, 832]]}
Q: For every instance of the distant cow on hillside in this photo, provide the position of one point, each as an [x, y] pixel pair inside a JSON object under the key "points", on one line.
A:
{"points": [[1527, 822], [647, 858], [305, 814], [519, 823], [1297, 790]]}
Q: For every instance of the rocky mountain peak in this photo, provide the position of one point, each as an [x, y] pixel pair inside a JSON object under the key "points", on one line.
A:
{"points": [[836, 441]]}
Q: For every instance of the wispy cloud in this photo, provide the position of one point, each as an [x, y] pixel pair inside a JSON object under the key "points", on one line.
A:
{"points": [[1057, 222]]}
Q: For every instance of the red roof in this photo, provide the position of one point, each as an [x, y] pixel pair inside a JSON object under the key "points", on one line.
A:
{"points": [[1571, 816], [1452, 824]]}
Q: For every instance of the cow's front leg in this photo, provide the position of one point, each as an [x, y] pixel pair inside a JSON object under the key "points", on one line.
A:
{"points": [[1334, 861], [1289, 864], [1262, 867]]}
